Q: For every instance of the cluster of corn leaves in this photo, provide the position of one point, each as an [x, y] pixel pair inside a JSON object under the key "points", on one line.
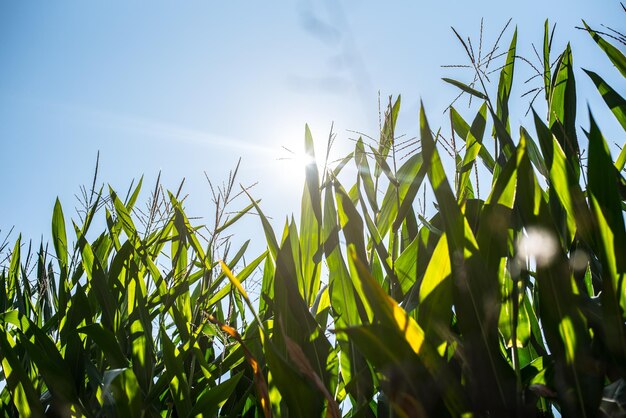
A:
{"points": [[106, 330], [367, 308]]}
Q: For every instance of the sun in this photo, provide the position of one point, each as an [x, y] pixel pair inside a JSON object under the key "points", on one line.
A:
{"points": [[293, 165]]}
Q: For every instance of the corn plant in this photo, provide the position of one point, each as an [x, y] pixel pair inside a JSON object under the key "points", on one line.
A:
{"points": [[512, 305]]}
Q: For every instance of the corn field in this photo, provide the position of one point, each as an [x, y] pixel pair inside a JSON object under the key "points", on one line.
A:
{"points": [[509, 305]]}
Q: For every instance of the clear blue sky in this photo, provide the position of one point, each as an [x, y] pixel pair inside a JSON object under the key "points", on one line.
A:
{"points": [[187, 87]]}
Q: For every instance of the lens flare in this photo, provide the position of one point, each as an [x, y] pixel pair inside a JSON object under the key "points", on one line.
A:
{"points": [[539, 245]]}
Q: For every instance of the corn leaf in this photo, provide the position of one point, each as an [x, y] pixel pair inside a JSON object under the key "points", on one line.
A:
{"points": [[613, 100], [473, 146], [506, 83], [610, 234], [465, 88], [615, 55]]}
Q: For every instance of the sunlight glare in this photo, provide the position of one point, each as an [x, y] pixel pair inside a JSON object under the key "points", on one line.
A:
{"points": [[293, 166], [539, 245]]}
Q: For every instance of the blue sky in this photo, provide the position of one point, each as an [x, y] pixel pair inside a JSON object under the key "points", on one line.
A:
{"points": [[189, 87]]}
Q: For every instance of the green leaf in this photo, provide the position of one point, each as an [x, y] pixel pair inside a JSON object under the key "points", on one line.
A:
{"points": [[312, 175], [267, 285], [460, 126], [563, 107], [610, 235], [473, 146], [212, 398], [23, 393], [59, 236], [454, 221], [97, 279], [615, 55], [291, 233], [107, 342], [381, 164], [341, 290], [365, 175], [410, 176], [335, 171], [310, 223], [491, 282], [130, 203], [565, 185], [267, 227], [123, 213], [179, 388], [45, 357], [51, 366], [92, 211], [350, 221], [299, 396], [377, 242], [310, 227], [462, 129], [387, 134], [230, 221], [141, 339], [235, 282], [397, 363], [563, 325], [122, 385], [621, 159], [474, 295], [14, 270], [241, 276], [260, 382], [465, 88], [506, 83], [547, 43], [613, 100], [293, 316], [406, 334], [533, 153], [186, 231], [435, 294], [406, 266]]}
